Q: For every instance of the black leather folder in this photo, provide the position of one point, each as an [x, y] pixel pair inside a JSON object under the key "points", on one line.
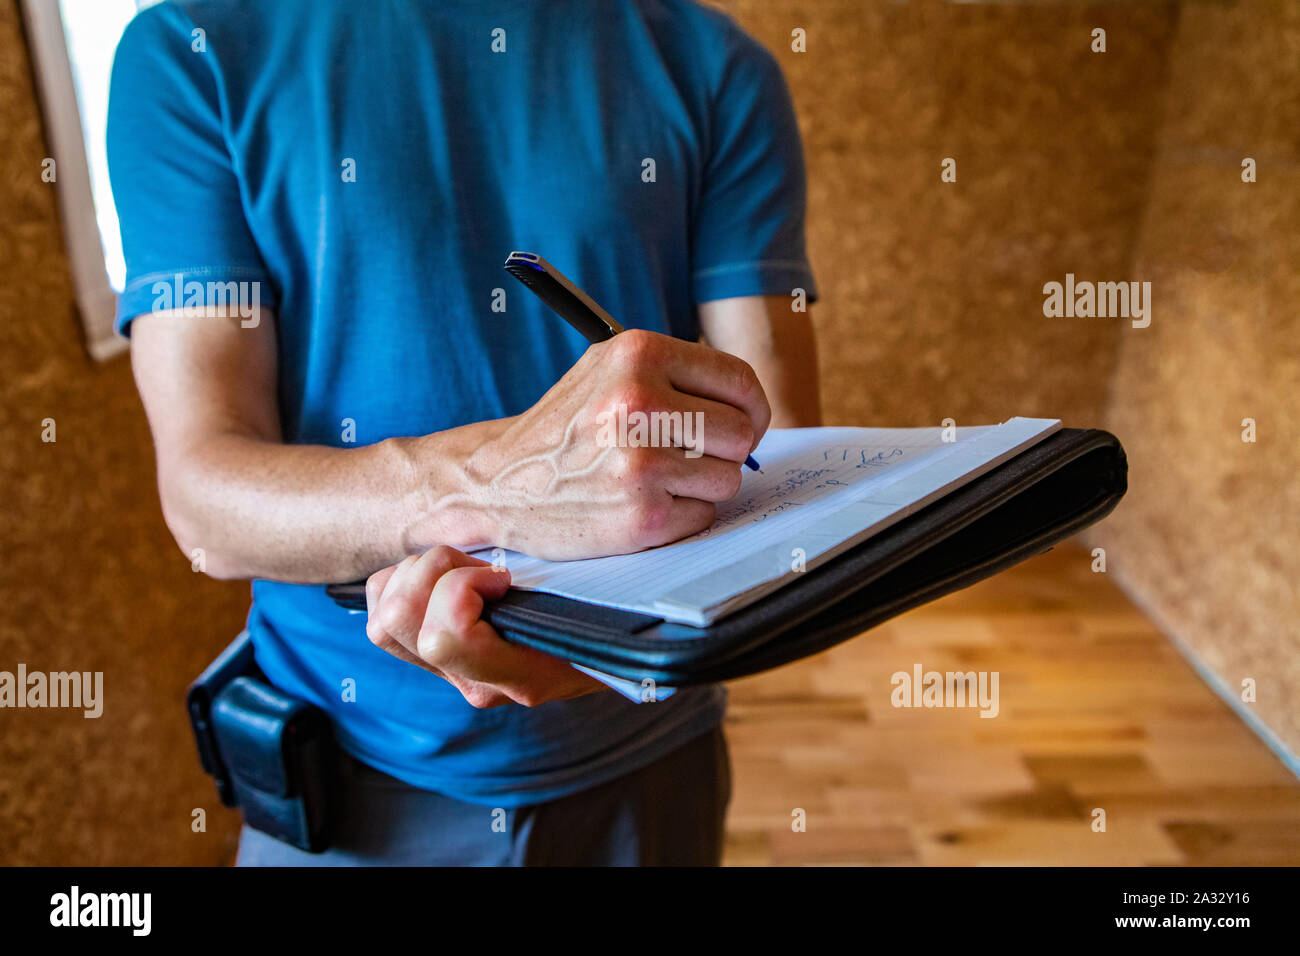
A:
{"points": [[1019, 509]]}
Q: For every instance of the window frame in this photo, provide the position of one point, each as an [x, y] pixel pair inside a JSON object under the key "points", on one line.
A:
{"points": [[56, 89]]}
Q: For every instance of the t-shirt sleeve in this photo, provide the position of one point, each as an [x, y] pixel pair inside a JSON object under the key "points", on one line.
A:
{"points": [[177, 196], [748, 229]]}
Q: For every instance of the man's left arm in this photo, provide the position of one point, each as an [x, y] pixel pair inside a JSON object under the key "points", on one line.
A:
{"points": [[778, 343]]}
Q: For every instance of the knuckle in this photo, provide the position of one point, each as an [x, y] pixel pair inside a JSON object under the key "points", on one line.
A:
{"points": [[633, 395], [374, 591], [745, 435], [431, 645], [731, 482], [760, 396], [480, 698], [747, 378], [641, 464], [647, 518], [530, 698], [747, 386], [377, 635], [444, 555], [458, 588], [636, 346], [397, 613]]}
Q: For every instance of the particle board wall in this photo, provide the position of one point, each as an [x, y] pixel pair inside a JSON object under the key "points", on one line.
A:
{"points": [[92, 580], [1209, 536], [932, 291], [932, 309]]}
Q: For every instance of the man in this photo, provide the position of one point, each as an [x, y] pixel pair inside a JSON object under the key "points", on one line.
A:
{"points": [[391, 399]]}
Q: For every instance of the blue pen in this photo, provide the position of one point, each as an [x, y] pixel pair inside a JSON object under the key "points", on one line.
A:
{"points": [[569, 302]]}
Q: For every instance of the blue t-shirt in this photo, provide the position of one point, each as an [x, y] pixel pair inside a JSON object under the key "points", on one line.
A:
{"points": [[370, 165]]}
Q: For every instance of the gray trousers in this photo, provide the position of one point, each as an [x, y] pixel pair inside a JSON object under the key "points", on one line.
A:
{"points": [[669, 813]]}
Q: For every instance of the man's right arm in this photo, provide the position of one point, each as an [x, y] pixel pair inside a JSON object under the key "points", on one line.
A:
{"points": [[260, 508], [540, 482]]}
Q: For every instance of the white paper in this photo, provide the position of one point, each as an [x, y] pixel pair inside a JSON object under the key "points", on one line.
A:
{"points": [[820, 492]]}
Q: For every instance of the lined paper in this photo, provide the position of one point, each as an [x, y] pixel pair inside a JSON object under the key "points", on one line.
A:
{"points": [[820, 492]]}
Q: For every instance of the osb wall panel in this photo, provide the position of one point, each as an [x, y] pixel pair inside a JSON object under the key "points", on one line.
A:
{"points": [[92, 580], [932, 308], [932, 291], [1208, 537]]}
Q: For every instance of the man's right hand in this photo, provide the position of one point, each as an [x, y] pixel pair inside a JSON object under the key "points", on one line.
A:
{"points": [[540, 482], [556, 490]]}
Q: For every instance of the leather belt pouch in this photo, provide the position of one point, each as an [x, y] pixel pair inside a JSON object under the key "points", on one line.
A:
{"points": [[281, 760]]}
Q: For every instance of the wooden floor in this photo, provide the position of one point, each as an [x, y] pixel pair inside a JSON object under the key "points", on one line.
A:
{"points": [[1097, 711]]}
